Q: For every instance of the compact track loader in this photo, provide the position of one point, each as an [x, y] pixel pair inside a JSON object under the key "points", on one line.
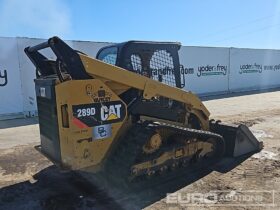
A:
{"points": [[125, 112]]}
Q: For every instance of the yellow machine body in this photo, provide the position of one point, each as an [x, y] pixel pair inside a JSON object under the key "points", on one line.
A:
{"points": [[87, 124], [79, 148]]}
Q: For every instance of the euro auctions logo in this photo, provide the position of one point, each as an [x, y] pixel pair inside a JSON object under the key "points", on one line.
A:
{"points": [[209, 70], [220, 198]]}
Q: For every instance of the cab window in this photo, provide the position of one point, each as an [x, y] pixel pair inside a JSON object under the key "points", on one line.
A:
{"points": [[108, 55]]}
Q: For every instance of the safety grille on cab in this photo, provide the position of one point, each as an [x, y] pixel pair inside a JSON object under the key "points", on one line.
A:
{"points": [[162, 68], [136, 63], [159, 67]]}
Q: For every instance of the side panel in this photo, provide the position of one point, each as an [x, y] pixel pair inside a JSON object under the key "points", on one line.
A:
{"points": [[48, 125], [254, 69], [206, 69], [95, 115], [10, 82]]}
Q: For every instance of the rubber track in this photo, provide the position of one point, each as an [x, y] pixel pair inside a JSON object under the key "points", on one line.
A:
{"points": [[121, 160]]}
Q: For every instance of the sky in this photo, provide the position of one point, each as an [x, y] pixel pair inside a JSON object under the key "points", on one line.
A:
{"points": [[217, 23]]}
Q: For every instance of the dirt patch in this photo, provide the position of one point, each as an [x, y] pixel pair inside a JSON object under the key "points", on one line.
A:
{"points": [[20, 163], [19, 159], [249, 122]]}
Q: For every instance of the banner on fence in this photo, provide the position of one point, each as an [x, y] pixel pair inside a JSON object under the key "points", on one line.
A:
{"points": [[11, 99], [254, 69], [206, 69]]}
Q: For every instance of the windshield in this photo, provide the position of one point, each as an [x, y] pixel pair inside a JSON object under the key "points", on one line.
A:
{"points": [[108, 55]]}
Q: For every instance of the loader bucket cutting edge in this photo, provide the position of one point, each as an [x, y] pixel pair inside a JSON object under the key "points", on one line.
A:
{"points": [[239, 139]]}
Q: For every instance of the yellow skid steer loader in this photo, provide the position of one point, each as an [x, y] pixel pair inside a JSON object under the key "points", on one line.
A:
{"points": [[125, 112]]}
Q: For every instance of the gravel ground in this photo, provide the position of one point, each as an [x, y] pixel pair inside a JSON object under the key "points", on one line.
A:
{"points": [[30, 181]]}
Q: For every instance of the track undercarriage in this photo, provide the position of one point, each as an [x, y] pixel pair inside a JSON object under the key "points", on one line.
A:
{"points": [[151, 148]]}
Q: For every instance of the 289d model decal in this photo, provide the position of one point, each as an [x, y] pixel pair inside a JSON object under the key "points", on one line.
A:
{"points": [[99, 113]]}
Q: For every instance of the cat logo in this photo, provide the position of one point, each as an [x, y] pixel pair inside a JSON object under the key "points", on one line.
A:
{"points": [[95, 114], [111, 112]]}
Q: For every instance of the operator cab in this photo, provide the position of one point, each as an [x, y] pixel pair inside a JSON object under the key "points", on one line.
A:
{"points": [[156, 60]]}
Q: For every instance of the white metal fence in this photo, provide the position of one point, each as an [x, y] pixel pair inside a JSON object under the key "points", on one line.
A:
{"points": [[207, 70]]}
